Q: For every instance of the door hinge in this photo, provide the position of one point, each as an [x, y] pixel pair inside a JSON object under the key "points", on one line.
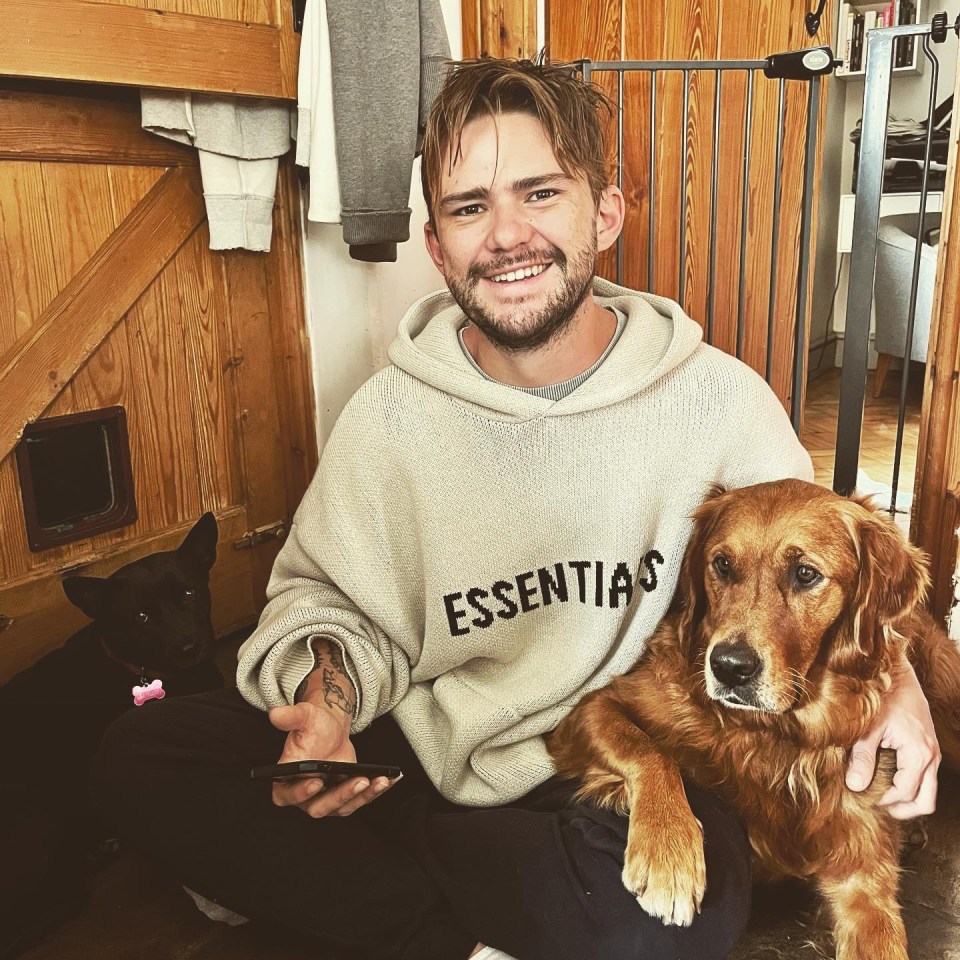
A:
{"points": [[253, 538]]}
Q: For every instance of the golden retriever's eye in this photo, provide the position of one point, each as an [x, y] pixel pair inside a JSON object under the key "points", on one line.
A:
{"points": [[807, 576], [722, 566]]}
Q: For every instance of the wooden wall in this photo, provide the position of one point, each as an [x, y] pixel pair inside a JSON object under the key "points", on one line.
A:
{"points": [[242, 11], [109, 295], [499, 28]]}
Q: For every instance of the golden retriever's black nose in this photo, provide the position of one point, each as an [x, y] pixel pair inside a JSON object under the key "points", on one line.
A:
{"points": [[734, 664]]}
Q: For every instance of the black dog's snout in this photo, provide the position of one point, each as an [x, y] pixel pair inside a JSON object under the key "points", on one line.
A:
{"points": [[734, 664]]}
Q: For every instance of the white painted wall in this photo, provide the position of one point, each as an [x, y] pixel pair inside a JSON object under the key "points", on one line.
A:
{"points": [[908, 98], [353, 308]]}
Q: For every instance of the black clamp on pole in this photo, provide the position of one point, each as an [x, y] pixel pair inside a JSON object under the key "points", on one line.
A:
{"points": [[938, 28], [800, 64]]}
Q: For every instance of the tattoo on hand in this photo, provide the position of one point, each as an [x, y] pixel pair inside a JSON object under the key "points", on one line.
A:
{"points": [[333, 694], [336, 659], [338, 692]]}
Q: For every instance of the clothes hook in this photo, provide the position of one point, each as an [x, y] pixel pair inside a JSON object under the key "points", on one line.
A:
{"points": [[813, 19]]}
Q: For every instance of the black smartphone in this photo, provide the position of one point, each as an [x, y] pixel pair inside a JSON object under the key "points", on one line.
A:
{"points": [[331, 772]]}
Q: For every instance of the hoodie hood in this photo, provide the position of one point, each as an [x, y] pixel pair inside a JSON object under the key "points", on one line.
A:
{"points": [[657, 337]]}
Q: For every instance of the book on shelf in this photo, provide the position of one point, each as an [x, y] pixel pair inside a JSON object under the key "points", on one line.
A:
{"points": [[906, 13], [848, 42], [869, 22], [854, 25], [856, 47]]}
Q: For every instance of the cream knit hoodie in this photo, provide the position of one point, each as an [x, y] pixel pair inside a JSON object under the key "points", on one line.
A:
{"points": [[485, 557]]}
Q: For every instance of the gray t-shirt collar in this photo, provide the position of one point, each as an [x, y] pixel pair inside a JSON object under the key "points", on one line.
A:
{"points": [[554, 391]]}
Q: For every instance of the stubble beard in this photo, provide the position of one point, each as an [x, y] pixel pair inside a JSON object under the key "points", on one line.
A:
{"points": [[554, 316]]}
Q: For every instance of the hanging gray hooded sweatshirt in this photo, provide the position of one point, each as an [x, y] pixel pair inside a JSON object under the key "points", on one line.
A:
{"points": [[389, 60], [484, 557]]}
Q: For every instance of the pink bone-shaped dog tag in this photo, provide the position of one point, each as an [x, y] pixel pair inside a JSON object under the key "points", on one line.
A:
{"points": [[152, 691]]}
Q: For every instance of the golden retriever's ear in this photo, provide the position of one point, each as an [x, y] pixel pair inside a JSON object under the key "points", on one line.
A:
{"points": [[893, 576], [714, 491], [690, 600]]}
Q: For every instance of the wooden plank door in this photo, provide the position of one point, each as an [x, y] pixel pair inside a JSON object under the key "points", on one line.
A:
{"points": [[109, 296], [705, 30]]}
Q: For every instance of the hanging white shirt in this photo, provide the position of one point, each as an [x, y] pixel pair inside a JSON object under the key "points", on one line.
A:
{"points": [[316, 140]]}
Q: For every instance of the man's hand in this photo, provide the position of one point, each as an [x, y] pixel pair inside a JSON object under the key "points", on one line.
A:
{"points": [[904, 724], [314, 733], [318, 728]]}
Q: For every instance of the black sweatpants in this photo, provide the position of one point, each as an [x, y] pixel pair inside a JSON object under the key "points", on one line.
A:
{"points": [[410, 876]]}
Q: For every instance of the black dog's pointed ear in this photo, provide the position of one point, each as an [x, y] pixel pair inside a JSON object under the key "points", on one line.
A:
{"points": [[200, 544], [88, 593]]}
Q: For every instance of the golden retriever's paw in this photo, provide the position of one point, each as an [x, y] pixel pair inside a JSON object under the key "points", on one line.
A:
{"points": [[665, 869]]}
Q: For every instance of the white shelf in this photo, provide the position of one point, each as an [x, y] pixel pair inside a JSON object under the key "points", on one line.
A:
{"points": [[891, 205], [913, 69]]}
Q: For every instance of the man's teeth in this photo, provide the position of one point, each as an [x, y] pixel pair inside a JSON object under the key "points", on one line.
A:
{"points": [[520, 274]]}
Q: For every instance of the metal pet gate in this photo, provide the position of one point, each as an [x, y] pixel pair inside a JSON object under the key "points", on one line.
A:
{"points": [[802, 66], [880, 47]]}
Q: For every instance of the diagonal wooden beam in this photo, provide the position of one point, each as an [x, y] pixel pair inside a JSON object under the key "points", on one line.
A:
{"points": [[48, 356]]}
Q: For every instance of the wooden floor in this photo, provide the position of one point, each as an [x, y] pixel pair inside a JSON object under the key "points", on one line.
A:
{"points": [[819, 434]]}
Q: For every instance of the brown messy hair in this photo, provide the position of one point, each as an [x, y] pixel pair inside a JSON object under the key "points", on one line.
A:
{"points": [[568, 108]]}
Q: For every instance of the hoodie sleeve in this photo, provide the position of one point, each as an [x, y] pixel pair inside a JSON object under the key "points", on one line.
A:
{"points": [[376, 64], [347, 572], [766, 447]]}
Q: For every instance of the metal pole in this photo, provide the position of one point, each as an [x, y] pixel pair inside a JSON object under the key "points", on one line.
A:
{"points": [[683, 186], [744, 212], [914, 282], [775, 232], [799, 354], [620, 168], [652, 185], [683, 65], [711, 288], [863, 256]]}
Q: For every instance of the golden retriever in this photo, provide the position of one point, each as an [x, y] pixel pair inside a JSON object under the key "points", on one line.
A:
{"points": [[793, 607]]}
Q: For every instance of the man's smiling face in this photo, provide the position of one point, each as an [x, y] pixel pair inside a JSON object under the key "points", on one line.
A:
{"points": [[514, 236]]}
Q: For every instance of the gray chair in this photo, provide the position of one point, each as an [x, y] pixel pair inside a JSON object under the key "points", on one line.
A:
{"points": [[895, 253]]}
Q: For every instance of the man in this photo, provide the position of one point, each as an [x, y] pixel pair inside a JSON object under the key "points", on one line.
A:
{"points": [[495, 528]]}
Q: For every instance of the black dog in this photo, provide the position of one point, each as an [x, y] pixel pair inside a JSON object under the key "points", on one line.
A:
{"points": [[151, 622]]}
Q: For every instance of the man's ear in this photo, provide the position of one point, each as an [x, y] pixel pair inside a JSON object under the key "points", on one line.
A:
{"points": [[610, 213], [432, 242]]}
